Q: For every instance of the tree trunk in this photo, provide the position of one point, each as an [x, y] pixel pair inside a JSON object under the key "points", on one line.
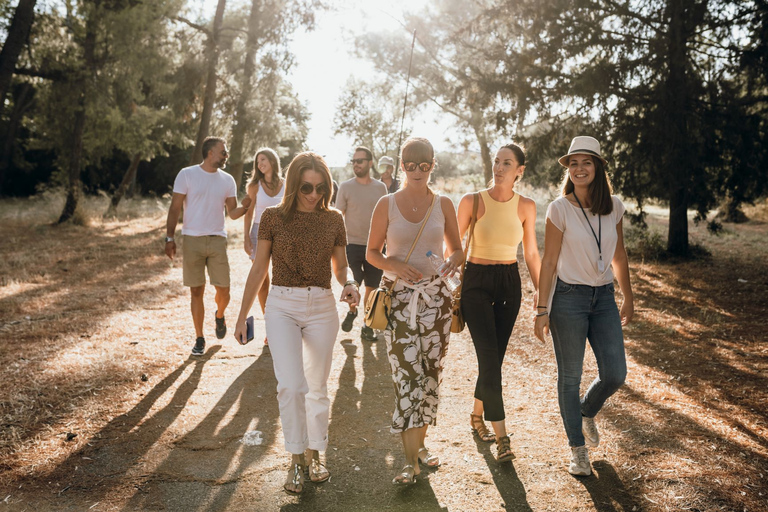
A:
{"points": [[210, 85], [246, 88], [75, 189], [21, 103], [677, 238], [678, 166], [124, 185], [482, 139], [14, 43]]}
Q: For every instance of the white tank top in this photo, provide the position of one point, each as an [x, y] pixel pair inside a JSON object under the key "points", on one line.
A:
{"points": [[264, 201], [401, 234]]}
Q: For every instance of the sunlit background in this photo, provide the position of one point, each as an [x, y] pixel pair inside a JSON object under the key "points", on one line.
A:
{"points": [[328, 52]]}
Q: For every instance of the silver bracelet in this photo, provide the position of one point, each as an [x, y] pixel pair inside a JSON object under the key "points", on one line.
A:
{"points": [[542, 314]]}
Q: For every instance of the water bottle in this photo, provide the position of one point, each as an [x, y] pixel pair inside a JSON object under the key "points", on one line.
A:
{"points": [[451, 281]]}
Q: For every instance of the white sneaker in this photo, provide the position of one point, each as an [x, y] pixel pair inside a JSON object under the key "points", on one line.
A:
{"points": [[589, 429], [580, 462]]}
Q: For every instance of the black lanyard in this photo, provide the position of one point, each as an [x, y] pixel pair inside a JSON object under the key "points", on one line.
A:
{"points": [[599, 228]]}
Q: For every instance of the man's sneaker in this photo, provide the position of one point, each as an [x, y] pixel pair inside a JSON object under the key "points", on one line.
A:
{"points": [[580, 462], [221, 326], [199, 347], [589, 429], [368, 334], [346, 325]]}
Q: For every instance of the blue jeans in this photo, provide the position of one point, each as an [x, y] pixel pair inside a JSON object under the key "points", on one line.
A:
{"points": [[580, 313]]}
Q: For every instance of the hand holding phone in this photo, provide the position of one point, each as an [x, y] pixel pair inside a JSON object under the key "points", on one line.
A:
{"points": [[248, 331]]}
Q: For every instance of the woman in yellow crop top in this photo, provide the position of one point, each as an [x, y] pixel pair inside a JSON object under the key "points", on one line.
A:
{"points": [[491, 290]]}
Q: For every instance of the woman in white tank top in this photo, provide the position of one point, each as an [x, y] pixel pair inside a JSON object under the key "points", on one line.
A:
{"points": [[265, 189], [417, 338]]}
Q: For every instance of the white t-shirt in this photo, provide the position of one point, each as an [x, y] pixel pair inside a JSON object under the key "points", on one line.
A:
{"points": [[206, 195], [579, 255]]}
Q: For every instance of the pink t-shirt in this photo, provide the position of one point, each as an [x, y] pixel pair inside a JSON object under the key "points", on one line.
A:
{"points": [[578, 262]]}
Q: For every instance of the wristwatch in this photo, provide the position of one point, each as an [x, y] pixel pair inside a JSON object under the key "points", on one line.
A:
{"points": [[168, 239]]}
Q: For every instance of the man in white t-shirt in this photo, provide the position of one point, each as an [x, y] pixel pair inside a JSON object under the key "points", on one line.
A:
{"points": [[204, 191], [356, 199]]}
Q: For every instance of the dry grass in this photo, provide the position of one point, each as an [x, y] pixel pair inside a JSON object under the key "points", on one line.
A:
{"points": [[71, 303], [85, 312]]}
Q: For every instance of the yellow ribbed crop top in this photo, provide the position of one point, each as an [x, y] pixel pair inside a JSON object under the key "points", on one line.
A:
{"points": [[499, 231]]}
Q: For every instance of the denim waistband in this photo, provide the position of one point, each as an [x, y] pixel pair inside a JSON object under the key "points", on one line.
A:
{"points": [[585, 286], [496, 267]]}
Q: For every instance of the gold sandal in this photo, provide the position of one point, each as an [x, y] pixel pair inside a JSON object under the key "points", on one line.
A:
{"points": [[479, 428], [317, 471], [295, 478], [504, 450], [429, 460], [407, 476]]}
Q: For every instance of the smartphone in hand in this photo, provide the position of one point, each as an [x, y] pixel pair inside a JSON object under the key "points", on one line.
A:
{"points": [[248, 331]]}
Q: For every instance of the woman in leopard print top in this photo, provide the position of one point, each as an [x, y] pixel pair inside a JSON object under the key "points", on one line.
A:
{"points": [[304, 238]]}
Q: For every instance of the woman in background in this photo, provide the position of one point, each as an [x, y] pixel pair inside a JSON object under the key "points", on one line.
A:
{"points": [[265, 189]]}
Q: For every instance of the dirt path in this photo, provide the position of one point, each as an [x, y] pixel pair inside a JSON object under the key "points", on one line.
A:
{"points": [[159, 430]]}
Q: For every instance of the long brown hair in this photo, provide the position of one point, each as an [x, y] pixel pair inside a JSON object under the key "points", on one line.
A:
{"points": [[599, 191], [274, 161], [300, 163]]}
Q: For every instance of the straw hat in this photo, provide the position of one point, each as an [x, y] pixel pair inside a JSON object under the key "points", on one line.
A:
{"points": [[582, 145]]}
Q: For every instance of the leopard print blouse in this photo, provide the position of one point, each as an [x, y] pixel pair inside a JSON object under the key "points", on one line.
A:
{"points": [[302, 248]]}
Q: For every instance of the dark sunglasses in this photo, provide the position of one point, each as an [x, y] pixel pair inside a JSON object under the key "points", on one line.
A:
{"points": [[360, 160], [422, 166], [307, 188]]}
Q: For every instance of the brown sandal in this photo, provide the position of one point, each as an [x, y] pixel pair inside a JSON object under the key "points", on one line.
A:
{"points": [[504, 450], [479, 428]]}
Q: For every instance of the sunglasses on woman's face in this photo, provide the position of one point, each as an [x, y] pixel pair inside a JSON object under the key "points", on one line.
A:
{"points": [[306, 188], [422, 166]]}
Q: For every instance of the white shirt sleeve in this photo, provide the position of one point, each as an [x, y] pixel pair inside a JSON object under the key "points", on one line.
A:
{"points": [[180, 185], [232, 192], [618, 209], [556, 215]]}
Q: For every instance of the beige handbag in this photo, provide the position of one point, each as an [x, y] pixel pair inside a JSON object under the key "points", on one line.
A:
{"points": [[457, 319], [378, 307]]}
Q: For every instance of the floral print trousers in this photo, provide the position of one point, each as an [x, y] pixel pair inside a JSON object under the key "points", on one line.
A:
{"points": [[416, 348]]}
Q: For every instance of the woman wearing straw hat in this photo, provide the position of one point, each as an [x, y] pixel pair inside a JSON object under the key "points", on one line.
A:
{"points": [[583, 252]]}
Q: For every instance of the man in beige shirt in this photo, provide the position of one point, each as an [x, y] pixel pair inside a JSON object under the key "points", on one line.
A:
{"points": [[356, 199]]}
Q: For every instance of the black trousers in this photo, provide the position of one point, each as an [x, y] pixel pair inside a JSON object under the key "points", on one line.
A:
{"points": [[490, 301]]}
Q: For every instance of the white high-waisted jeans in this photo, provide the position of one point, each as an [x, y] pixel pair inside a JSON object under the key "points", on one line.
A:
{"points": [[302, 324]]}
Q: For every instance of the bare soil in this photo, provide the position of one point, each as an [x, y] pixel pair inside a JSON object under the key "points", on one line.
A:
{"points": [[102, 408]]}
